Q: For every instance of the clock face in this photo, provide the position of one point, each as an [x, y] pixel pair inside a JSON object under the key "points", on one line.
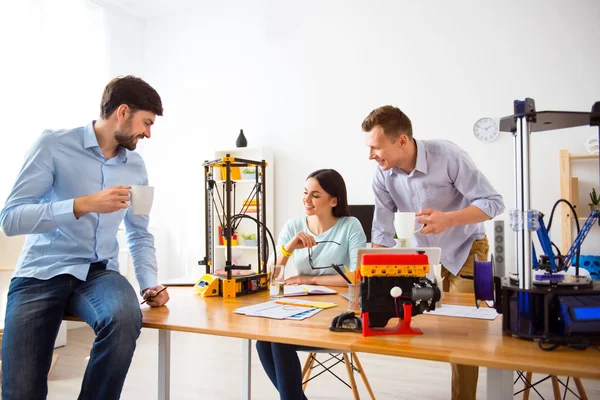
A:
{"points": [[486, 129]]}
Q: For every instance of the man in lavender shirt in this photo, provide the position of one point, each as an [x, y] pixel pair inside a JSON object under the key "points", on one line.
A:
{"points": [[439, 181]]}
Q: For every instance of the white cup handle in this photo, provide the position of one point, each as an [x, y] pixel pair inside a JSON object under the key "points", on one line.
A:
{"points": [[422, 225]]}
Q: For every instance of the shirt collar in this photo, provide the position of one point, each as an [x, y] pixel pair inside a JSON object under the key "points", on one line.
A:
{"points": [[90, 140], [89, 136], [421, 164]]}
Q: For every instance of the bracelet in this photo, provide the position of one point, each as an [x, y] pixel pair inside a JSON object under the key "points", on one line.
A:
{"points": [[284, 252]]}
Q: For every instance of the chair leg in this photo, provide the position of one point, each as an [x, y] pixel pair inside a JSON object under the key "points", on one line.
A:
{"points": [[528, 385], [580, 388], [307, 369], [53, 363], [306, 364], [363, 375], [351, 376], [555, 387]]}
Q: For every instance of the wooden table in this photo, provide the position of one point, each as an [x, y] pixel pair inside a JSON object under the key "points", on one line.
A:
{"points": [[446, 339]]}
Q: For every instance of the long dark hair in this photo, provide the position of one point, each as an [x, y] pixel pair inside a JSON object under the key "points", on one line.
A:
{"points": [[332, 182]]}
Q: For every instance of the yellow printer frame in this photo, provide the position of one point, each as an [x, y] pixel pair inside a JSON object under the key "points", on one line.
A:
{"points": [[230, 285]]}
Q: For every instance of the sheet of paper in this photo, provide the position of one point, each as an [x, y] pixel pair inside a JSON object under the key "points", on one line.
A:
{"points": [[450, 310], [294, 290], [303, 315], [315, 289], [273, 310], [303, 290], [307, 303], [256, 307]]}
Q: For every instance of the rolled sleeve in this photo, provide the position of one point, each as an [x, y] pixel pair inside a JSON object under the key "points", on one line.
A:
{"points": [[492, 206]]}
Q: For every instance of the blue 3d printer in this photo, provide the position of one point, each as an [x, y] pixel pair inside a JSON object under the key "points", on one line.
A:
{"points": [[542, 301]]}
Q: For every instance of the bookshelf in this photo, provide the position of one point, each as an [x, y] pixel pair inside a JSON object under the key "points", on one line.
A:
{"points": [[569, 190]]}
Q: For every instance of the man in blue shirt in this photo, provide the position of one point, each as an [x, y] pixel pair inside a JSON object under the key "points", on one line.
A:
{"points": [[439, 181], [69, 199]]}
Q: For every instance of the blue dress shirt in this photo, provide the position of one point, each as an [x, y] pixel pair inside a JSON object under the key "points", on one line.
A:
{"points": [[61, 166], [444, 179]]}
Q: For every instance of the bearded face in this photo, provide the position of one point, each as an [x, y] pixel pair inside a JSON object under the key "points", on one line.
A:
{"points": [[126, 135]]}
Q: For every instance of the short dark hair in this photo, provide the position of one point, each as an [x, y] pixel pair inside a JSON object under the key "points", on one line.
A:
{"points": [[393, 122], [132, 91], [332, 182]]}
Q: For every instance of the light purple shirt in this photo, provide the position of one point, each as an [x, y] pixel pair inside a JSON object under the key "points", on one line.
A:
{"points": [[444, 179]]}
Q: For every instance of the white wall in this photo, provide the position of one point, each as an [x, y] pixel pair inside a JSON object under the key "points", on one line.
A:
{"points": [[300, 77], [57, 58]]}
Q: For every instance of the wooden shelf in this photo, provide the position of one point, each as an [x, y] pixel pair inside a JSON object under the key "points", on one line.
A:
{"points": [[238, 247], [569, 190], [584, 156]]}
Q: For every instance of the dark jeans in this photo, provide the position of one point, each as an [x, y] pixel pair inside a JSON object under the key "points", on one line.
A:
{"points": [[282, 365], [35, 309]]}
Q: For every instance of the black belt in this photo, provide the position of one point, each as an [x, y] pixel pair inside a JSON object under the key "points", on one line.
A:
{"points": [[98, 264]]}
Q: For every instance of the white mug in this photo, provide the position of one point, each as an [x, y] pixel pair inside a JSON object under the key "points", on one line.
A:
{"points": [[404, 222], [141, 199], [591, 145]]}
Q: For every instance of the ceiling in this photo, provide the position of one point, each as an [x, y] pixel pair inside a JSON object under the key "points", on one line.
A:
{"points": [[146, 9]]}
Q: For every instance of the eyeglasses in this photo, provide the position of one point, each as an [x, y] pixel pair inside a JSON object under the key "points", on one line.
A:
{"points": [[310, 260], [336, 267]]}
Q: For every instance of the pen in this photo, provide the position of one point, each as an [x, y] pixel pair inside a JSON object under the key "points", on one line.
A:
{"points": [[348, 274], [339, 271], [157, 293], [287, 303]]}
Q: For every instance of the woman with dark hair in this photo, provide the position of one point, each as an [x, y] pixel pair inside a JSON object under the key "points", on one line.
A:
{"points": [[326, 235]]}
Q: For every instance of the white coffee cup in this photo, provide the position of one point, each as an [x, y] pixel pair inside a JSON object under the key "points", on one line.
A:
{"points": [[591, 145], [141, 199], [404, 223]]}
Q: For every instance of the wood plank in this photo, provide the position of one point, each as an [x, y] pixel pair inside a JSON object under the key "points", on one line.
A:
{"points": [[390, 377], [190, 312], [565, 193], [584, 156], [446, 339], [575, 195]]}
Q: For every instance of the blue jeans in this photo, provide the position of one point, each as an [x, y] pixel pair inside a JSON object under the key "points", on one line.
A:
{"points": [[35, 309], [282, 365]]}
